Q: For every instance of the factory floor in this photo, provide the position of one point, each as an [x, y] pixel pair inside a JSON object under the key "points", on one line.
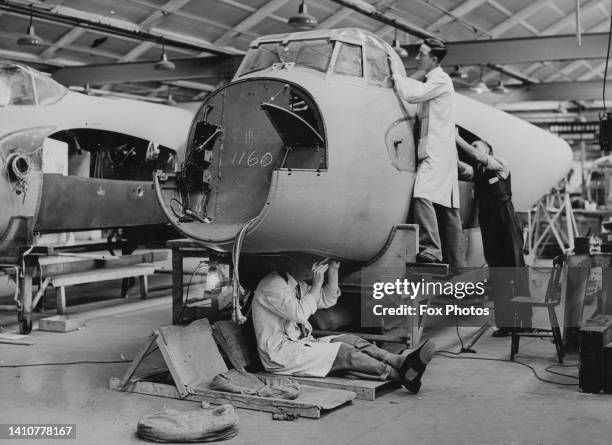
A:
{"points": [[462, 401]]}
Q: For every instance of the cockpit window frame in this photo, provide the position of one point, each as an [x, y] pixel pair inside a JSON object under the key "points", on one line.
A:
{"points": [[368, 46], [33, 76], [334, 65], [324, 70]]}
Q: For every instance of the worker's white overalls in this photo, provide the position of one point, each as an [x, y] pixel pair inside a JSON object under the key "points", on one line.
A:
{"points": [[436, 190]]}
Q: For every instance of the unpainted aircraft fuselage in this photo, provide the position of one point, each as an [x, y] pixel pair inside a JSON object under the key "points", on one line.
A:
{"points": [[312, 147], [78, 162]]}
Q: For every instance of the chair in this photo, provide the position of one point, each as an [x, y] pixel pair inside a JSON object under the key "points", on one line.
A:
{"points": [[551, 301]]}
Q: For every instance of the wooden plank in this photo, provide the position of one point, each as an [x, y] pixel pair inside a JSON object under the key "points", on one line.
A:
{"points": [[68, 263], [310, 404], [364, 389], [178, 306], [60, 323], [101, 275], [191, 354], [143, 284], [41, 291], [186, 243], [60, 299], [138, 359]]}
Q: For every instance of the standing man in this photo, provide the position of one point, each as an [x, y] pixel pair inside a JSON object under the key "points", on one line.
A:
{"points": [[281, 308], [436, 190], [502, 239]]}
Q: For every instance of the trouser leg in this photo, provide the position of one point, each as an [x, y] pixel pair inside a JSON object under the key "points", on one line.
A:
{"points": [[429, 234], [451, 235], [370, 349], [353, 360]]}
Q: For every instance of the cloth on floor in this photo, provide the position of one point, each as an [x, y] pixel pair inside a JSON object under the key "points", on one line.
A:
{"points": [[200, 425], [242, 382]]}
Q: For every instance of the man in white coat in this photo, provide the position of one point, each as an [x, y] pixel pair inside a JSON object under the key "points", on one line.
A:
{"points": [[436, 191], [281, 308]]}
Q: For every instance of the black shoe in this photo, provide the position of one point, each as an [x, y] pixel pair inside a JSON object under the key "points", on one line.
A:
{"points": [[502, 332], [417, 363], [427, 258]]}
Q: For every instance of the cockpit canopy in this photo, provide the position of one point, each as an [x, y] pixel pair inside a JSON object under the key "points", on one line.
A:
{"points": [[21, 85], [345, 52]]}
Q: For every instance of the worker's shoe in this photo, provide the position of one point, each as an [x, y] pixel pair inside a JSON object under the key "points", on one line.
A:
{"points": [[414, 366], [427, 258], [502, 332], [507, 332]]}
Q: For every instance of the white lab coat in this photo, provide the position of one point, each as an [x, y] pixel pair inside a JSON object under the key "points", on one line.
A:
{"points": [[276, 314], [436, 178]]}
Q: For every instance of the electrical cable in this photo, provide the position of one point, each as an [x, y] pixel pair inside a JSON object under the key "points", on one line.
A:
{"points": [[547, 369], [172, 200], [455, 355], [459, 335], [237, 289], [200, 264], [78, 362]]}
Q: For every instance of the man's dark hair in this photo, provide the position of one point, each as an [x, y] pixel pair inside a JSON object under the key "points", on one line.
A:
{"points": [[438, 48], [284, 265]]}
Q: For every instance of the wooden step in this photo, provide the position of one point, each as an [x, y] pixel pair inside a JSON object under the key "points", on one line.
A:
{"points": [[96, 275]]}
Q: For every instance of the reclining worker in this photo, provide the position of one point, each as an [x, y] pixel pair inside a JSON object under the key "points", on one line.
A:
{"points": [[502, 239], [435, 203], [281, 309]]}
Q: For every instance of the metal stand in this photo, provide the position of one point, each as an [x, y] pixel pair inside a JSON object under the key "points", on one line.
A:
{"points": [[554, 215]]}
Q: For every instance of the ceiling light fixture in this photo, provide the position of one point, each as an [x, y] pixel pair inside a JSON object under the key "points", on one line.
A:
{"points": [[401, 51], [30, 38], [164, 64], [302, 19], [170, 101], [500, 87]]}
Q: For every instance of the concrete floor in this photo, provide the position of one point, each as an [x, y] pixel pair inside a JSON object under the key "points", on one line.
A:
{"points": [[461, 401]]}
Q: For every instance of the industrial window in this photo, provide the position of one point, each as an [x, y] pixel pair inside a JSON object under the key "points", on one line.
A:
{"points": [[350, 60], [377, 67], [15, 86]]}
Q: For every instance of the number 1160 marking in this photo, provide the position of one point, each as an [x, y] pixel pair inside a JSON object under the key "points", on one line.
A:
{"points": [[251, 158]]}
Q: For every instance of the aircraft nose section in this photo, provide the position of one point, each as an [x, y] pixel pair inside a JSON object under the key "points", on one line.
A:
{"points": [[241, 134]]}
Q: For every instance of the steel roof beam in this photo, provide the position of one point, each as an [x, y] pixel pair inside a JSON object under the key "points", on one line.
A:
{"points": [[251, 20], [522, 50], [111, 26], [557, 91], [190, 68]]}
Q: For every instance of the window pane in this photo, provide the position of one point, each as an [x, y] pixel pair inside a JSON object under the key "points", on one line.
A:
{"points": [[305, 53], [349, 62], [259, 58], [47, 90], [309, 53], [15, 83], [378, 66]]}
